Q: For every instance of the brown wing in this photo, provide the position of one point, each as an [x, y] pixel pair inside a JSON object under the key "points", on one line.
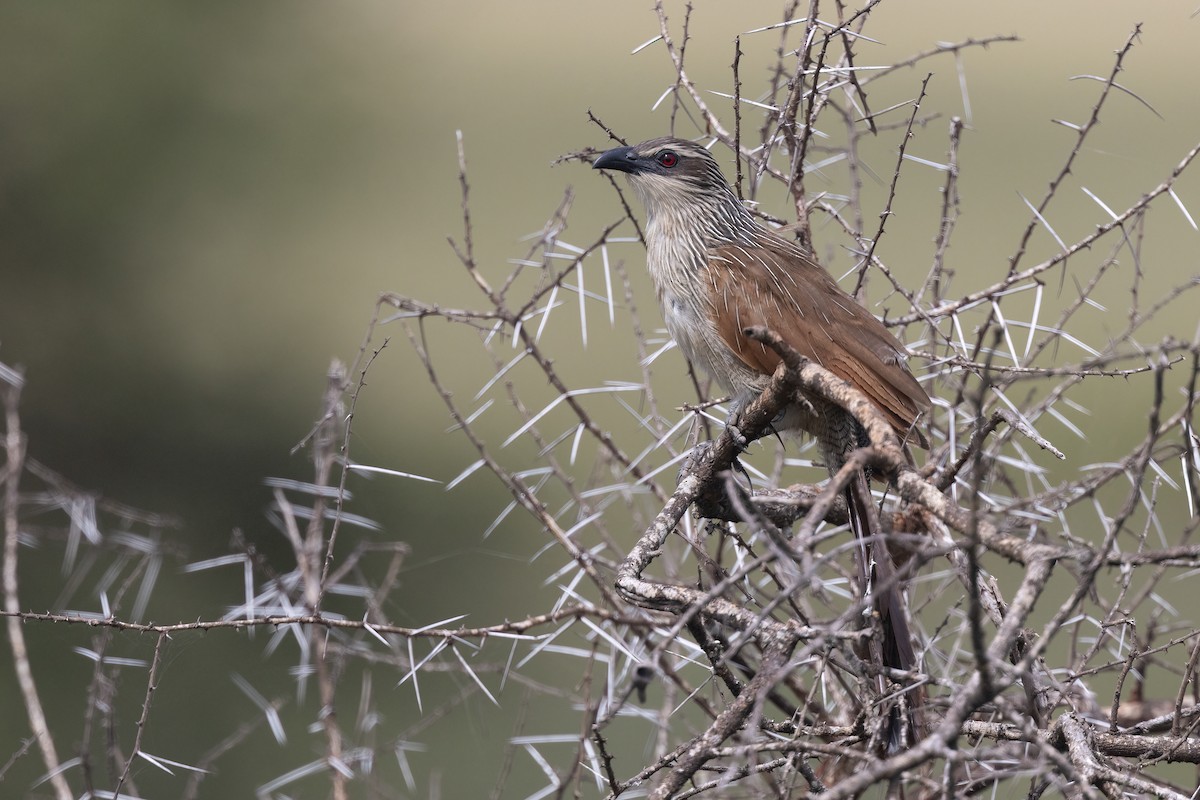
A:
{"points": [[776, 285]]}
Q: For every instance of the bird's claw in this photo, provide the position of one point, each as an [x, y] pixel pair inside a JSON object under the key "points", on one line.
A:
{"points": [[695, 457], [732, 425]]}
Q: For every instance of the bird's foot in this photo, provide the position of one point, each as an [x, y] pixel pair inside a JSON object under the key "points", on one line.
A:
{"points": [[733, 426], [696, 457]]}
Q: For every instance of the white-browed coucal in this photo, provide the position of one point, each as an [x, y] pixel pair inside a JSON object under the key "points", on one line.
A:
{"points": [[717, 272]]}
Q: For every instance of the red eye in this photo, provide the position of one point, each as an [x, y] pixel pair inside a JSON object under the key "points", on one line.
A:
{"points": [[668, 159]]}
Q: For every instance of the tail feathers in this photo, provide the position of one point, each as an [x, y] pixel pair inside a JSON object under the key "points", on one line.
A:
{"points": [[878, 575]]}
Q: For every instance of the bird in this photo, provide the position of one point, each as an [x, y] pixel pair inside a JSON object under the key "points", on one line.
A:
{"points": [[716, 272]]}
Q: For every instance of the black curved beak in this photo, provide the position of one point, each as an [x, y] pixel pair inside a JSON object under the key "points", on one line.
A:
{"points": [[622, 159]]}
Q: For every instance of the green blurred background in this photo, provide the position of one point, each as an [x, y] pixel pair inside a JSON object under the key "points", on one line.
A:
{"points": [[200, 203]]}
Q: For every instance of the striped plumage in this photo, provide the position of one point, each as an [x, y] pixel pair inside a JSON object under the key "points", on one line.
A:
{"points": [[716, 272]]}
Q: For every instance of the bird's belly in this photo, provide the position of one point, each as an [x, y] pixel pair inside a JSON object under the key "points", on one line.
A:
{"points": [[689, 325]]}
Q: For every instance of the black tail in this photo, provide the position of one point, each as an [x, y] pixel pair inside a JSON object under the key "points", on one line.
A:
{"points": [[878, 575]]}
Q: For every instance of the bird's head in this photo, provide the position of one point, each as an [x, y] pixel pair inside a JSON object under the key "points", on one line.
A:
{"points": [[670, 174]]}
